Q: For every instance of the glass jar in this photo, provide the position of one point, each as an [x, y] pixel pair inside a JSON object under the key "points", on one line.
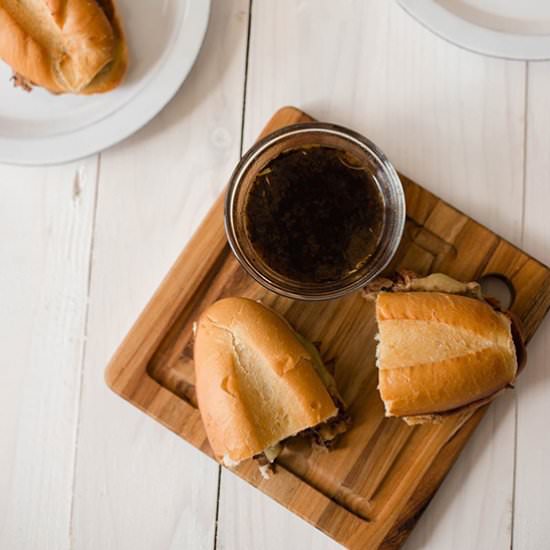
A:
{"points": [[302, 136]]}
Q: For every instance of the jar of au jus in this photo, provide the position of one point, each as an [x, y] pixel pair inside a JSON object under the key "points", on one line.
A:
{"points": [[314, 211]]}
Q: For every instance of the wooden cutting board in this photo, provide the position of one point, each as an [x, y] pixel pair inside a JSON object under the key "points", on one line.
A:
{"points": [[369, 492]]}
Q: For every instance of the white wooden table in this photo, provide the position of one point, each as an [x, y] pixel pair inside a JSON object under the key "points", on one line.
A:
{"points": [[84, 245]]}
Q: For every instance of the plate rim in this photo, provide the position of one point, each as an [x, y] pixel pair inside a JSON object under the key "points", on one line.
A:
{"points": [[475, 38], [122, 123]]}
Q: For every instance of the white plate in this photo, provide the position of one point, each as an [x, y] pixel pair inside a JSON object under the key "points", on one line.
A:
{"points": [[164, 38], [513, 29]]}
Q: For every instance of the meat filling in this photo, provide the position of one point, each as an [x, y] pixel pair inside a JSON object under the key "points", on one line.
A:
{"points": [[324, 435], [19, 81]]}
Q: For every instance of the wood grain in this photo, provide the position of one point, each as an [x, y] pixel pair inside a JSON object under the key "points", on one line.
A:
{"points": [[138, 486], [531, 529], [333, 491], [448, 118], [457, 126], [242, 521], [46, 224]]}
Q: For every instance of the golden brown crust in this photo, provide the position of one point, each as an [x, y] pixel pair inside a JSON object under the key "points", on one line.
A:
{"points": [[521, 356], [113, 75], [256, 383], [445, 385], [438, 307], [440, 352], [73, 46], [24, 54]]}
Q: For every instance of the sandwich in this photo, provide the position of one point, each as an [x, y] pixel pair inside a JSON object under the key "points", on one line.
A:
{"points": [[65, 46], [442, 347], [259, 383]]}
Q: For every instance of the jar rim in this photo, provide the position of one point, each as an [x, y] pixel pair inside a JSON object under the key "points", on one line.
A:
{"points": [[333, 289]]}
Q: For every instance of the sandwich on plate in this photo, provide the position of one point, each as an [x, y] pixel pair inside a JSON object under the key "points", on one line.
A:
{"points": [[259, 382], [65, 46], [442, 347]]}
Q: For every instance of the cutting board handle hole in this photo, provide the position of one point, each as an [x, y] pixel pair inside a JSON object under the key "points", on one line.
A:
{"points": [[499, 287]]}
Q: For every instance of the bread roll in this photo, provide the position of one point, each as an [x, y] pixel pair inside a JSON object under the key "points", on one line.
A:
{"points": [[440, 352], [257, 383], [65, 46]]}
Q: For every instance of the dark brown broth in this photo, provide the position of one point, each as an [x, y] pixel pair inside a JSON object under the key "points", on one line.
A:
{"points": [[314, 214]]}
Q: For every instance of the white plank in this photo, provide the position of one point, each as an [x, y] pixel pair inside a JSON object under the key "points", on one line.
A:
{"points": [[46, 219], [138, 485], [531, 527], [449, 119]]}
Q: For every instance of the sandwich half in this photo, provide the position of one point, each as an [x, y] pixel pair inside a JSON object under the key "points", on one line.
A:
{"points": [[442, 348], [258, 383], [65, 46]]}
